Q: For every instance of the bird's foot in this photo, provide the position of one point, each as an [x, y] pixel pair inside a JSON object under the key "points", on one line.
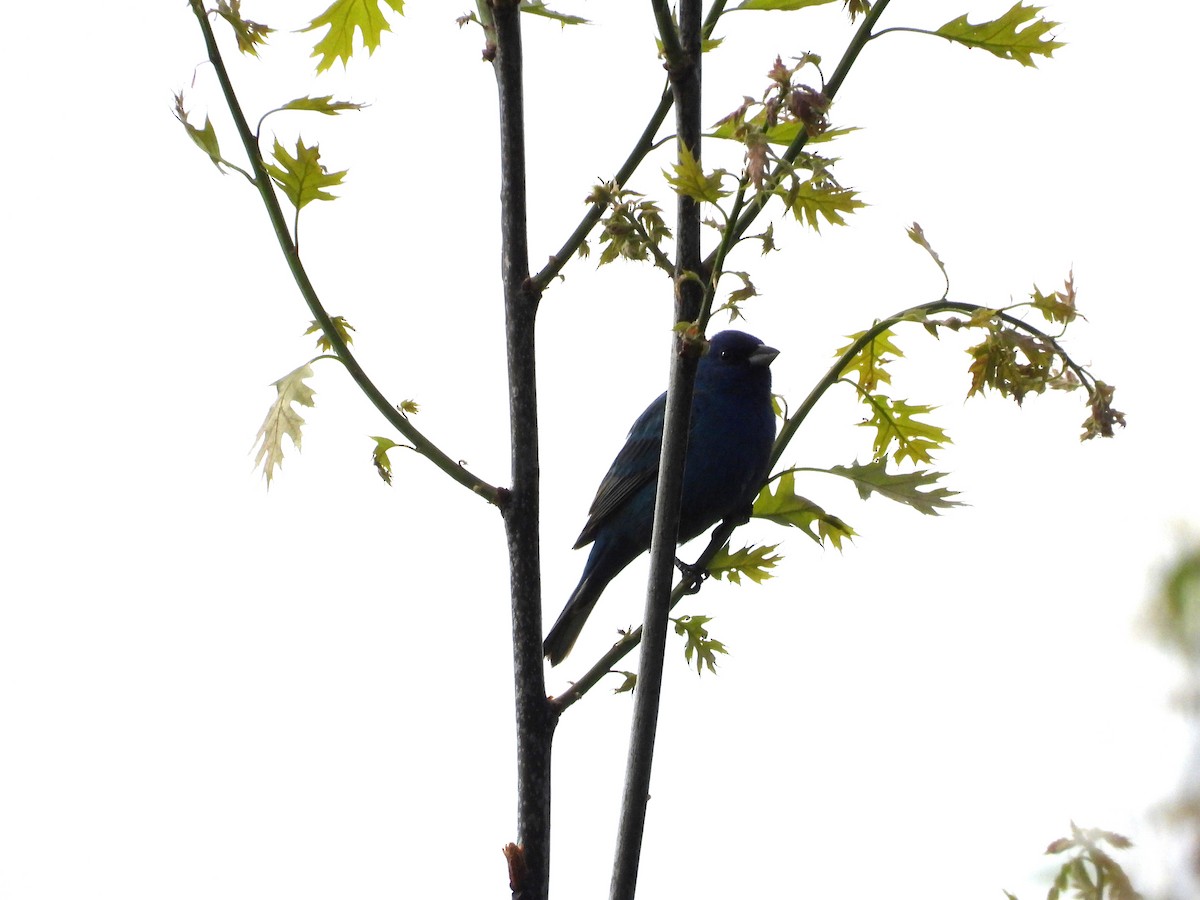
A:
{"points": [[696, 575]]}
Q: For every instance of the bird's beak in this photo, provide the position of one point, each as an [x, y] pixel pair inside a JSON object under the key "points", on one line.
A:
{"points": [[763, 355]]}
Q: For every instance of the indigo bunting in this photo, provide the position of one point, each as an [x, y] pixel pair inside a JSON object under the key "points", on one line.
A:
{"points": [[729, 446]]}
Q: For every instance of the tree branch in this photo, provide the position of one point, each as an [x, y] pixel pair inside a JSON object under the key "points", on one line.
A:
{"points": [[684, 71], [535, 719], [266, 190]]}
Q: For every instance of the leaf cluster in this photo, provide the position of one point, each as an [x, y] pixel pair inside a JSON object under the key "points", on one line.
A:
{"points": [[787, 109], [633, 228], [1090, 872]]}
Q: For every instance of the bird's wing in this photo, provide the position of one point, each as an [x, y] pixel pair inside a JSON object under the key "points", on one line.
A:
{"points": [[635, 466]]}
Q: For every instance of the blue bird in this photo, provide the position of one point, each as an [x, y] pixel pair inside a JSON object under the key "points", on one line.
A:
{"points": [[729, 448]]}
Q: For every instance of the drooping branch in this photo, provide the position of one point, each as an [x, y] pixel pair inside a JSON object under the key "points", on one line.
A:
{"points": [[262, 181], [690, 583]]}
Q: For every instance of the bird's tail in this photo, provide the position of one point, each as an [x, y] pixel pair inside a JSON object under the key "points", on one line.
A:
{"points": [[570, 622]]}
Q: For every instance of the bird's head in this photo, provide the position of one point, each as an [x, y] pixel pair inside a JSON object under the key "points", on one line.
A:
{"points": [[736, 348]]}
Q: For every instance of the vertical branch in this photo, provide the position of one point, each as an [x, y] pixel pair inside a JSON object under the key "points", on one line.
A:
{"points": [[534, 718], [684, 68]]}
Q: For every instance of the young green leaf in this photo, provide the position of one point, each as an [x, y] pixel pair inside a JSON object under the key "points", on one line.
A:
{"points": [[344, 17], [1058, 306], [903, 487], [784, 5], [628, 684], [810, 202], [870, 362], [538, 8], [340, 325], [699, 644], [1018, 34], [634, 227], [786, 507], [895, 423], [205, 138], [302, 177], [1100, 423], [1012, 362], [917, 234], [1091, 872], [780, 135], [282, 419], [379, 456], [325, 105], [690, 181], [856, 8], [249, 34], [752, 562], [739, 296]]}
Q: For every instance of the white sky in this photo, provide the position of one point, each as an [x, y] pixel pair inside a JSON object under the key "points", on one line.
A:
{"points": [[211, 691]]}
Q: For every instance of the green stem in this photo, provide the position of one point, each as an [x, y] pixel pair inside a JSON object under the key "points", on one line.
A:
{"points": [[668, 33], [266, 190]]}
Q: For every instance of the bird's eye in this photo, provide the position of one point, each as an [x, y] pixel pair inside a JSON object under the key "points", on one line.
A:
{"points": [[726, 355]]}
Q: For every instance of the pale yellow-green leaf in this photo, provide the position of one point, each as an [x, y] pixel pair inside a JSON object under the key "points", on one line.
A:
{"points": [[344, 18], [325, 105], [205, 138], [752, 562], [896, 425], [810, 202], [340, 325], [379, 456], [688, 178], [1017, 35], [282, 419], [870, 363], [786, 507], [249, 34], [303, 177]]}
